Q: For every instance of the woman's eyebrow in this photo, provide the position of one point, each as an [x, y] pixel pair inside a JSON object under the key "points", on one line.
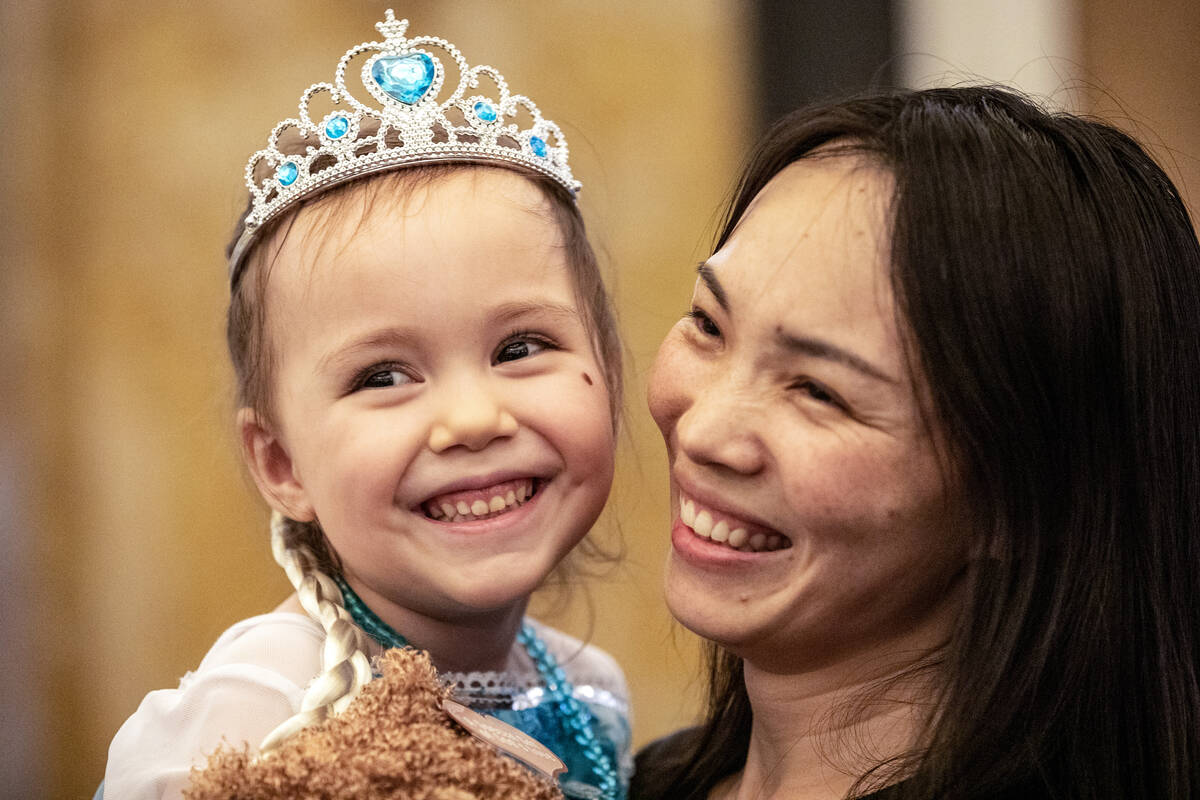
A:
{"points": [[710, 280], [804, 345], [819, 348]]}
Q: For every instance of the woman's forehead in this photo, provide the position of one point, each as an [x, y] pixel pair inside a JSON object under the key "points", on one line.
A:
{"points": [[825, 220]]}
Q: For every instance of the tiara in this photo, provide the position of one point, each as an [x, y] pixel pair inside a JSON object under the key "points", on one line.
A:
{"points": [[407, 126]]}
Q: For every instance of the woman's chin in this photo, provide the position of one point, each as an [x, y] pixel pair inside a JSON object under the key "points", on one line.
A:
{"points": [[706, 616]]}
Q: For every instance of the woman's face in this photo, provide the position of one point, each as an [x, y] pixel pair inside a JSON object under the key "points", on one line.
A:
{"points": [[812, 523]]}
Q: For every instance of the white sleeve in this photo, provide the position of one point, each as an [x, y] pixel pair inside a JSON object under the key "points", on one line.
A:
{"points": [[252, 680]]}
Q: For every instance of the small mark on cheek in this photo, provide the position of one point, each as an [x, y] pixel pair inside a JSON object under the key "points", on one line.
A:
{"points": [[587, 379], [745, 598]]}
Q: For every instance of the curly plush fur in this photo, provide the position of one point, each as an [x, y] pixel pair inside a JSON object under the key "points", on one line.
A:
{"points": [[393, 743]]}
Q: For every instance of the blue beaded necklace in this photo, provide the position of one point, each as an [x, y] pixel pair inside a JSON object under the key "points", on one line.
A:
{"points": [[576, 718]]}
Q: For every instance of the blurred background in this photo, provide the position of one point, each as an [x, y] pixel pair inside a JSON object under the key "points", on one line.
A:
{"points": [[131, 537]]}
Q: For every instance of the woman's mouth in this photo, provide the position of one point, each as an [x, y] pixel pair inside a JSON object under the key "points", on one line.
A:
{"points": [[720, 528], [477, 504]]}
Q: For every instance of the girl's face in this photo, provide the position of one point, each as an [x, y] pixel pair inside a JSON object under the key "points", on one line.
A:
{"points": [[793, 430], [439, 408]]}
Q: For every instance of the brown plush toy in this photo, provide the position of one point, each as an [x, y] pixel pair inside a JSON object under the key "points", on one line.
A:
{"points": [[394, 741]]}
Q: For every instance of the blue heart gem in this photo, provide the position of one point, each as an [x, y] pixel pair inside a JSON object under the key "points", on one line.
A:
{"points": [[336, 127], [405, 78], [485, 111], [538, 146], [287, 173]]}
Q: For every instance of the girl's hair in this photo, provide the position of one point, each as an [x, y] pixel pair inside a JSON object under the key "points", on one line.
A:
{"points": [[299, 547], [1047, 279]]}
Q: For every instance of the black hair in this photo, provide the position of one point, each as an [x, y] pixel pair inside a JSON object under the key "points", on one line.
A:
{"points": [[1047, 278]]}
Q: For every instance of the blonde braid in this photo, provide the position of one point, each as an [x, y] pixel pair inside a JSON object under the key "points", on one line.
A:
{"points": [[344, 663]]}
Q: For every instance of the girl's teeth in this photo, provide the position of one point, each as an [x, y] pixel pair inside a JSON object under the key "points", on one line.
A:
{"points": [[703, 524], [468, 509], [720, 532], [758, 541]]}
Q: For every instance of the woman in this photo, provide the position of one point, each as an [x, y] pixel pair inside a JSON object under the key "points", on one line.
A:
{"points": [[935, 453]]}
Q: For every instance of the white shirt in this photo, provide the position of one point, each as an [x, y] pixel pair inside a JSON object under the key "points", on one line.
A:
{"points": [[251, 680]]}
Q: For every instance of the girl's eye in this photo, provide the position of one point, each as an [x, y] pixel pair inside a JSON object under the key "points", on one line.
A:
{"points": [[382, 379], [704, 322], [522, 347]]}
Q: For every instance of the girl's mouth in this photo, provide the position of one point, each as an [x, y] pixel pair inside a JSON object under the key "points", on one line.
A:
{"points": [[720, 529], [477, 504]]}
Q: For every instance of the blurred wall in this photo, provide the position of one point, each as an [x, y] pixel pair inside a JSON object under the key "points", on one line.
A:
{"points": [[131, 537], [1142, 61]]}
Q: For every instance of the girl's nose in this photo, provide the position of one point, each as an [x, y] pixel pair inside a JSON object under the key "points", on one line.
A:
{"points": [[471, 419]]}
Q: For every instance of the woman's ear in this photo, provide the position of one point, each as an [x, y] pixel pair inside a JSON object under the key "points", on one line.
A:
{"points": [[271, 465]]}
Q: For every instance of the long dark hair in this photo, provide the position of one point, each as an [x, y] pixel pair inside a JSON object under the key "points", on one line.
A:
{"points": [[1047, 277]]}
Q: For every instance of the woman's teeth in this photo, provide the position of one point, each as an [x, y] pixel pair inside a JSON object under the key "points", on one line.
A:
{"points": [[479, 503], [708, 525]]}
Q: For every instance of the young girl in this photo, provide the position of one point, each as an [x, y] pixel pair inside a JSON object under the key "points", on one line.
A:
{"points": [[429, 376]]}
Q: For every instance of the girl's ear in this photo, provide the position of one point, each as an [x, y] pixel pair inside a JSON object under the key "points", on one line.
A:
{"points": [[272, 468]]}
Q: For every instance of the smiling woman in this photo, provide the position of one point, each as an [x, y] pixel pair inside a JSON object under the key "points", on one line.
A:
{"points": [[789, 415], [935, 461]]}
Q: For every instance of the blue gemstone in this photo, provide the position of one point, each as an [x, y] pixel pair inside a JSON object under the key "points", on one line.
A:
{"points": [[485, 111], [538, 146], [287, 173], [406, 78], [336, 127]]}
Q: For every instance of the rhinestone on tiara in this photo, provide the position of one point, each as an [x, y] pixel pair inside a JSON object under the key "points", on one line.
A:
{"points": [[407, 125]]}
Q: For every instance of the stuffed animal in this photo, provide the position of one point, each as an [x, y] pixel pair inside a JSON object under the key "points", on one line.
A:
{"points": [[393, 742]]}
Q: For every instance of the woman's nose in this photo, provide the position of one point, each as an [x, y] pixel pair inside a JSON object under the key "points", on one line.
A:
{"points": [[470, 418], [718, 428]]}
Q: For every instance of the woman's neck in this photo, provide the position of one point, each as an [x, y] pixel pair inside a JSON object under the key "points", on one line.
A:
{"points": [[479, 642], [813, 736]]}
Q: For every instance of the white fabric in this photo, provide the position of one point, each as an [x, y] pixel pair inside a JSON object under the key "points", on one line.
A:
{"points": [[252, 679]]}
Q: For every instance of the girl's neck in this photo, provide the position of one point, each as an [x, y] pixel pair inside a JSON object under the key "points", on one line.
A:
{"points": [[480, 642]]}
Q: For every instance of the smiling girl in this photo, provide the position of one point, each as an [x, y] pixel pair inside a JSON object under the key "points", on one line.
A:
{"points": [[429, 376]]}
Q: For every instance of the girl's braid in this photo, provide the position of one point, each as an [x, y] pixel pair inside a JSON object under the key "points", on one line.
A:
{"points": [[344, 663]]}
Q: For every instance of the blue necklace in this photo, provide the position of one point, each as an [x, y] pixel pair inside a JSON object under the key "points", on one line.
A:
{"points": [[577, 721]]}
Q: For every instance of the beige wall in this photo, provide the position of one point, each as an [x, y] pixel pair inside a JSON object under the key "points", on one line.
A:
{"points": [[137, 118], [1143, 68]]}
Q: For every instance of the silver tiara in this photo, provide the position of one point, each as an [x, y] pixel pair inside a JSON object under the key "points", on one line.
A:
{"points": [[407, 126]]}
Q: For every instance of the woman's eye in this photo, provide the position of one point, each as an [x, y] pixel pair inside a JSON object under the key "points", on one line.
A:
{"points": [[385, 378], [819, 393], [704, 323], [520, 348]]}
